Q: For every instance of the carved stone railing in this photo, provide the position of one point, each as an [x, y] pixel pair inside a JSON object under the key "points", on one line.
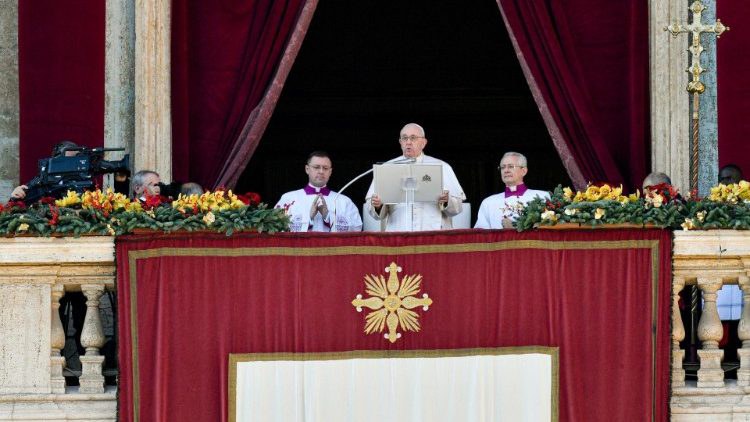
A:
{"points": [[35, 273], [710, 260]]}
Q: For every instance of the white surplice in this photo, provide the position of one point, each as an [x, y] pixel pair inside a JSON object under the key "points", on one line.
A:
{"points": [[497, 207], [298, 204]]}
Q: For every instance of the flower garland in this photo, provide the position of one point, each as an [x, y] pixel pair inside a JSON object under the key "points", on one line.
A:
{"points": [[110, 213], [727, 207]]}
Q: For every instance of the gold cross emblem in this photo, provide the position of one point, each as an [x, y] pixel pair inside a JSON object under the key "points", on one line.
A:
{"points": [[391, 303]]}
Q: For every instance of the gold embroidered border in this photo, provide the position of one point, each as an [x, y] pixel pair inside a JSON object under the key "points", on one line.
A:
{"points": [[135, 255], [553, 352]]}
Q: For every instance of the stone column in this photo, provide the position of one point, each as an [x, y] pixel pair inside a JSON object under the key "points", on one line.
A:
{"points": [[743, 374], [670, 113], [708, 142], [678, 334], [710, 332], [9, 107], [92, 338], [57, 342], [119, 79], [153, 117]]}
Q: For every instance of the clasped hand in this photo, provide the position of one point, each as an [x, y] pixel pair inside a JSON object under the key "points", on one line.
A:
{"points": [[319, 205]]}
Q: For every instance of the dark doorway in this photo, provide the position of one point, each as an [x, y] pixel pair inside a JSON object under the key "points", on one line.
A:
{"points": [[366, 68]]}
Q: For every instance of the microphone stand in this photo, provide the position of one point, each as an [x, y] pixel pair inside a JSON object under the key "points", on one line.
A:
{"points": [[334, 222]]}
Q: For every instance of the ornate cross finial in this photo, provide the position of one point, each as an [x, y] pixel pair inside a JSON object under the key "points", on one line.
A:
{"points": [[695, 86], [696, 28]]}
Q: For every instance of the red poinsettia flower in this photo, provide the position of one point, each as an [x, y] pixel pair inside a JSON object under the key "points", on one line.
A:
{"points": [[55, 215], [47, 200], [249, 198], [15, 204], [664, 189], [152, 201]]}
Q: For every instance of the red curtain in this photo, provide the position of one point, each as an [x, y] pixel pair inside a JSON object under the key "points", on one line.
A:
{"points": [[734, 92], [225, 59], [602, 297], [61, 77], [587, 66]]}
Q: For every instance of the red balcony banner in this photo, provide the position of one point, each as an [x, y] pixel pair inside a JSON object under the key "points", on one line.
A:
{"points": [[601, 297]]}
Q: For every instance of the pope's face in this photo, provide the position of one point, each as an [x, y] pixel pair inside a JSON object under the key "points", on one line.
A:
{"points": [[412, 142], [318, 171], [511, 171]]}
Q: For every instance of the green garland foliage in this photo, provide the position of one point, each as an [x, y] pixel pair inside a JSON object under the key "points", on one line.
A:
{"points": [[46, 219], [674, 212]]}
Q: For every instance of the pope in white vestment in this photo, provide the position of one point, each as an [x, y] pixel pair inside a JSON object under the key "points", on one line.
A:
{"points": [[501, 210], [425, 216], [317, 208]]}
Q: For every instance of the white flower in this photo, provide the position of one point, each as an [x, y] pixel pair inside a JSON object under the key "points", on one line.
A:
{"points": [[701, 215], [23, 227], [599, 213], [549, 215], [209, 218], [571, 211], [688, 224]]}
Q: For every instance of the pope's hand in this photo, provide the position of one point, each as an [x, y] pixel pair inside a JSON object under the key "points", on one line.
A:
{"points": [[375, 201], [443, 199]]}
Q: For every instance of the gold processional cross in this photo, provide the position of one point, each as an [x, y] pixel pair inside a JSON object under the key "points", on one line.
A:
{"points": [[695, 86]]}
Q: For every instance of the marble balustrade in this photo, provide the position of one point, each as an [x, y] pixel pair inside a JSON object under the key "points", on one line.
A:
{"points": [[709, 260], [35, 273]]}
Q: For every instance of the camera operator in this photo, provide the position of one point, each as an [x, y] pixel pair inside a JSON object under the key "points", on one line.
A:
{"points": [[64, 148]]}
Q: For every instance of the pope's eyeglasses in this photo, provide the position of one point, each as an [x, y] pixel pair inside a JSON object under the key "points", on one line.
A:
{"points": [[412, 138]]}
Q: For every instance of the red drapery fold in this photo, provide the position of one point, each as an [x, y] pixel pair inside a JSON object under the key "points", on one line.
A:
{"points": [[229, 62], [602, 297], [61, 77], [733, 90], [587, 66]]}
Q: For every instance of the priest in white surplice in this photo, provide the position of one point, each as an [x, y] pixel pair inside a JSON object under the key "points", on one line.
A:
{"points": [[500, 210], [426, 216], [316, 207]]}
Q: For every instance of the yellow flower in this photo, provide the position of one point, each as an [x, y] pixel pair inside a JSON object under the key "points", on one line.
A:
{"points": [[110, 230], [579, 197], [23, 227], [701, 215], [71, 198], [592, 193], [599, 213], [688, 224], [568, 193], [209, 218]]}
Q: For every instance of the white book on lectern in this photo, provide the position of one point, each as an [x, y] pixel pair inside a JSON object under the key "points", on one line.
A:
{"points": [[389, 182]]}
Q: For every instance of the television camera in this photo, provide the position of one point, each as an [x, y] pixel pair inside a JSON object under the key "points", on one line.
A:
{"points": [[61, 173]]}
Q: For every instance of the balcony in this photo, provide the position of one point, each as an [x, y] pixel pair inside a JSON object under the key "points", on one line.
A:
{"points": [[36, 381]]}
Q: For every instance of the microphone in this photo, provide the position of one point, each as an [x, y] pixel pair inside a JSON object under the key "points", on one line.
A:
{"points": [[398, 161]]}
